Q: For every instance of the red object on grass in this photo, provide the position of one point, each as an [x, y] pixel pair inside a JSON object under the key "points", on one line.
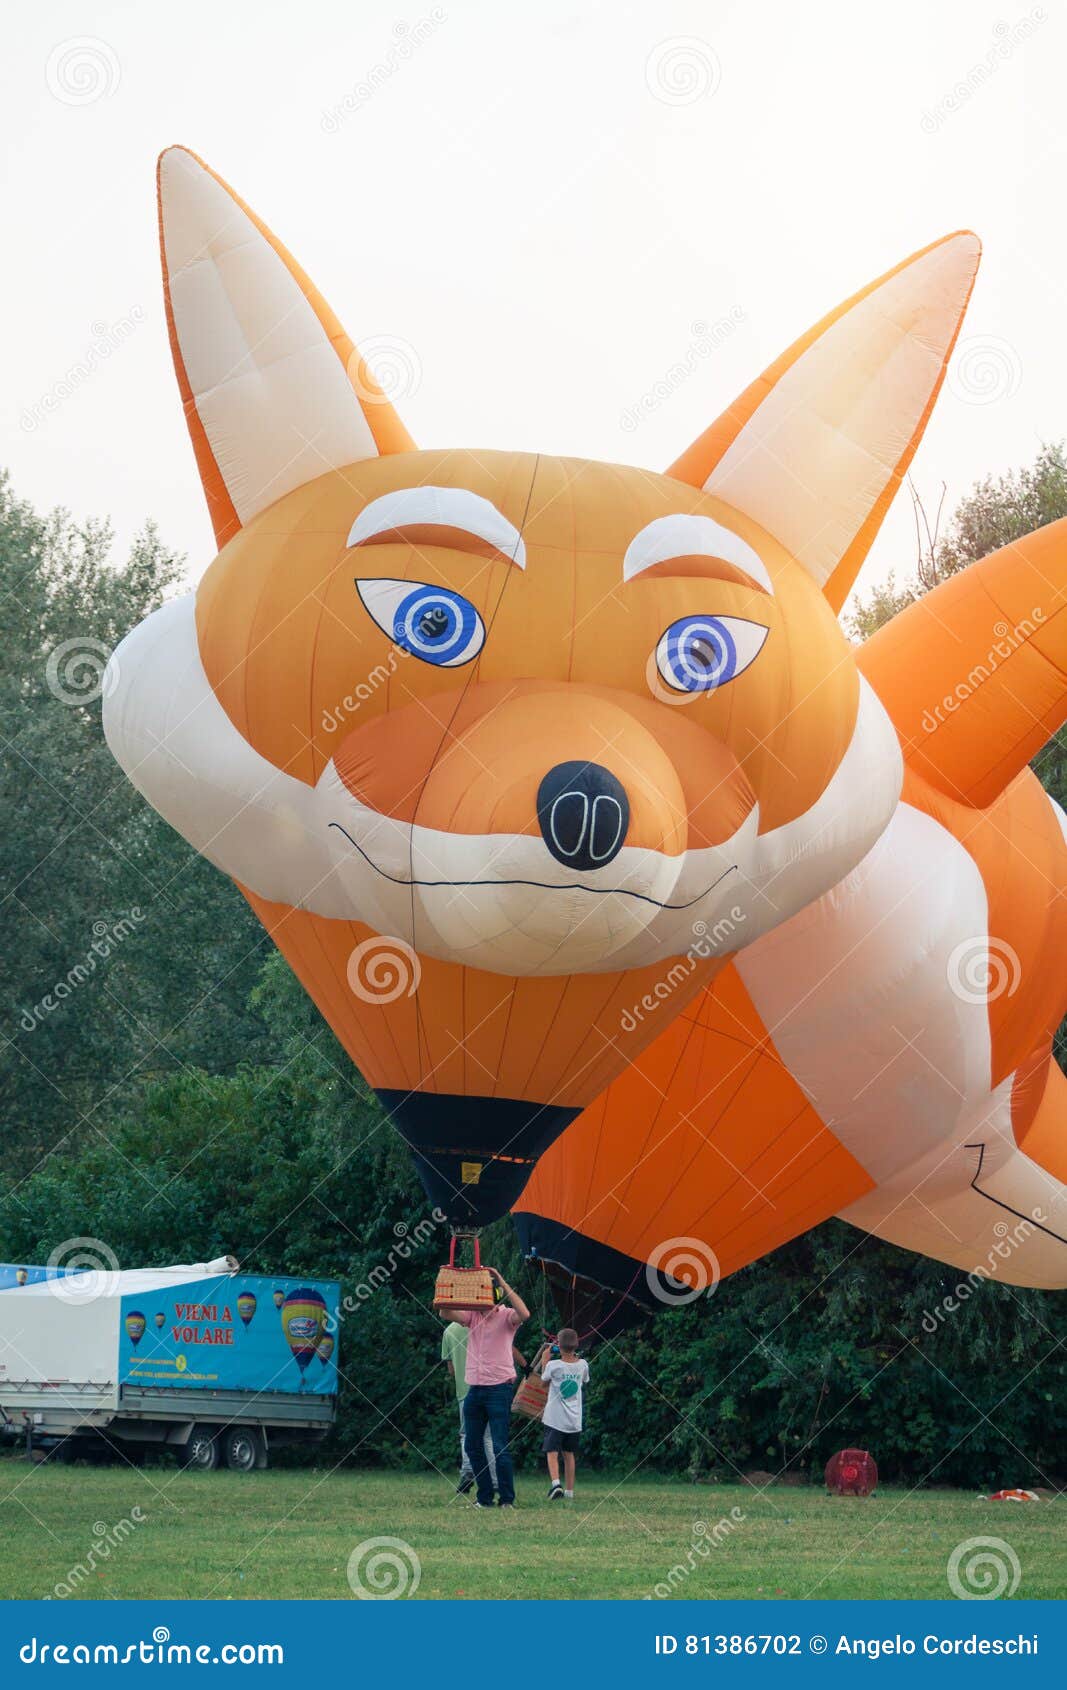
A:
{"points": [[851, 1472]]}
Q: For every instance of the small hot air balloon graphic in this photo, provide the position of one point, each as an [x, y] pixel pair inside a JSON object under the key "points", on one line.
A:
{"points": [[324, 1348], [246, 1307], [161, 1320], [303, 1320], [279, 1296], [135, 1325], [21, 1276]]}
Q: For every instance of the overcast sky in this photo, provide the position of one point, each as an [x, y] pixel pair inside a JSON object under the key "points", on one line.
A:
{"points": [[529, 215]]}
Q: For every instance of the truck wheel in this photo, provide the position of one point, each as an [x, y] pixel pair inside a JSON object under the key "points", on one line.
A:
{"points": [[242, 1450], [201, 1453]]}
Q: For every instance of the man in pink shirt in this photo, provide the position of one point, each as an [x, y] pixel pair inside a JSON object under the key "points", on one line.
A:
{"points": [[490, 1388]]}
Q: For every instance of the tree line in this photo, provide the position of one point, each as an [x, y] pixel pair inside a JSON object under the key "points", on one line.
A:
{"points": [[167, 1088]]}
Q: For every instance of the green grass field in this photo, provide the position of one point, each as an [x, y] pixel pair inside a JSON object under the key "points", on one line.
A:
{"points": [[292, 1533]]}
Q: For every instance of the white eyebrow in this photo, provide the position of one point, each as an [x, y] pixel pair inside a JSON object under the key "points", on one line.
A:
{"points": [[691, 536], [440, 507]]}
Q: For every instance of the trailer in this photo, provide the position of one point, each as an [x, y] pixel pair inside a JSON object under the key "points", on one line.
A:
{"points": [[219, 1365], [18, 1273]]}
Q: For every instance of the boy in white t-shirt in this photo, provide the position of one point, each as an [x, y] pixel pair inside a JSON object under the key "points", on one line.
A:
{"points": [[562, 1416]]}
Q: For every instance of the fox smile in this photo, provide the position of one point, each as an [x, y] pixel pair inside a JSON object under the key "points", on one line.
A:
{"points": [[544, 885]]}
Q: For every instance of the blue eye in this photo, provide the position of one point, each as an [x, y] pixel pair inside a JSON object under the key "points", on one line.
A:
{"points": [[700, 653], [432, 623]]}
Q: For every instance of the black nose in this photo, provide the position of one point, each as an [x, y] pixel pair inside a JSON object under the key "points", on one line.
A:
{"points": [[584, 813]]}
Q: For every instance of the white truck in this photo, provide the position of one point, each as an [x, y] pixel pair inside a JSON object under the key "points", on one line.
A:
{"points": [[220, 1365]]}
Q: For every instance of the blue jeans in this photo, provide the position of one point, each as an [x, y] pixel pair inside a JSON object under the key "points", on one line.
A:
{"points": [[490, 1406], [466, 1471]]}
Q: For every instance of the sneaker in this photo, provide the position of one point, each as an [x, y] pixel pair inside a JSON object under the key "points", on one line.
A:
{"points": [[485, 1505], [464, 1486], [505, 1505], [554, 1491]]}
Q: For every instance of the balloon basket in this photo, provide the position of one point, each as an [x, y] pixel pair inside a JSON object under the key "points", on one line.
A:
{"points": [[464, 1288]]}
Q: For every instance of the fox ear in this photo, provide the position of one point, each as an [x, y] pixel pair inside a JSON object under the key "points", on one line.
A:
{"points": [[816, 448], [274, 391]]}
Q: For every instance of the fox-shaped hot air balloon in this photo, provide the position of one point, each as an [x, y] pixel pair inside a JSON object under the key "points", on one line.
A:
{"points": [[488, 739]]}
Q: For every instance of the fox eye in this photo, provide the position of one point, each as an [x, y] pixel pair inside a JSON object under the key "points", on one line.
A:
{"points": [[699, 653], [432, 623]]}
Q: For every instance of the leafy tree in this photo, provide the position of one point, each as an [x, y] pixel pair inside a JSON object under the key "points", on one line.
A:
{"points": [[998, 509], [126, 955], [1003, 508], [885, 600]]}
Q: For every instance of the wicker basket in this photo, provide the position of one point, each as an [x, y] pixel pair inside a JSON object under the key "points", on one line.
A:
{"points": [[464, 1288], [532, 1394]]}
